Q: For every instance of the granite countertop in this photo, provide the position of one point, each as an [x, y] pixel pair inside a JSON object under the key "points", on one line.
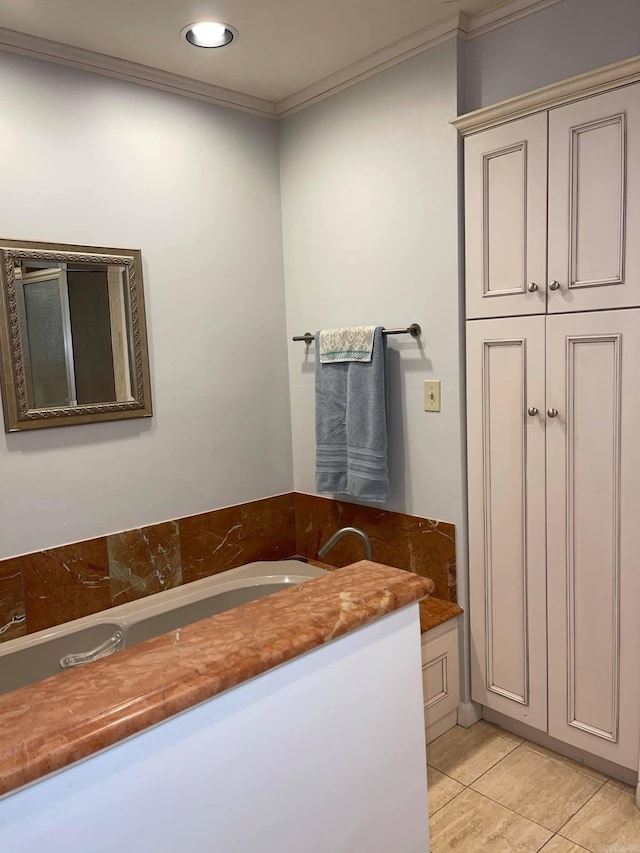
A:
{"points": [[433, 611], [53, 723]]}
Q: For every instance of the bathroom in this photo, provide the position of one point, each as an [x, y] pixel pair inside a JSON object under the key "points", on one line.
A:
{"points": [[347, 209]]}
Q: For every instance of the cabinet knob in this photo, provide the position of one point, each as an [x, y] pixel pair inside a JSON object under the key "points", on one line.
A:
{"points": [[554, 285], [532, 287], [532, 411], [552, 413]]}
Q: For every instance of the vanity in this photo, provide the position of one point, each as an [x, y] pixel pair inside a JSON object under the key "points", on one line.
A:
{"points": [[273, 726]]}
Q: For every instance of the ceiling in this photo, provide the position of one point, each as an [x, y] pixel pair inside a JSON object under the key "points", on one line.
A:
{"points": [[284, 45]]}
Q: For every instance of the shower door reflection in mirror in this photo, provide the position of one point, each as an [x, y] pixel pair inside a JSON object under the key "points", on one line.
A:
{"points": [[74, 337]]}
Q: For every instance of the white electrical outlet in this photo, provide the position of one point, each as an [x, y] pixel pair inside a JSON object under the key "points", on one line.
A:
{"points": [[432, 395]]}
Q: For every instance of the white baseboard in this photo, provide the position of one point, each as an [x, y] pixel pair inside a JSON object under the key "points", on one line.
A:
{"points": [[517, 727], [469, 713], [638, 795], [441, 726]]}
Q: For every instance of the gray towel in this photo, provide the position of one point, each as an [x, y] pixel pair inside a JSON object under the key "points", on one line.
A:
{"points": [[351, 426]]}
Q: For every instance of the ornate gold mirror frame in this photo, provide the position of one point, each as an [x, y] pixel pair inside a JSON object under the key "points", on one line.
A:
{"points": [[19, 413]]}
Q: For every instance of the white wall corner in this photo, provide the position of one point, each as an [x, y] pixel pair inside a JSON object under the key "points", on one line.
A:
{"points": [[374, 63], [486, 22], [469, 713]]}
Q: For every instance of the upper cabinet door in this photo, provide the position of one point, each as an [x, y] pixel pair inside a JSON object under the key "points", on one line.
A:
{"points": [[594, 203], [506, 219]]}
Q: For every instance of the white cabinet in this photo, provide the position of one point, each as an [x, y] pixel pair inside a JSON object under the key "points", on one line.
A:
{"points": [[552, 214], [577, 573], [506, 459], [594, 202], [506, 219], [440, 678], [593, 532], [551, 218]]}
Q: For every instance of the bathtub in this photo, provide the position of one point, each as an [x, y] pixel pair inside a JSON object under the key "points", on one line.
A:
{"points": [[39, 655]]}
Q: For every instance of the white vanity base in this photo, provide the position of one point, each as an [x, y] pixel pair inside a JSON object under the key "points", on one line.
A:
{"points": [[326, 752], [440, 678]]}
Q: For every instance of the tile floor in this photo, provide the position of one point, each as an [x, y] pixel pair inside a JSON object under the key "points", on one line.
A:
{"points": [[490, 790]]}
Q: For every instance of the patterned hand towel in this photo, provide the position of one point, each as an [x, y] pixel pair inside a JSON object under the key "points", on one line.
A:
{"points": [[351, 425], [354, 343]]}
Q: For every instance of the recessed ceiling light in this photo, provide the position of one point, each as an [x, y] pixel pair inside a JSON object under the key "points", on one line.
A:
{"points": [[209, 34]]}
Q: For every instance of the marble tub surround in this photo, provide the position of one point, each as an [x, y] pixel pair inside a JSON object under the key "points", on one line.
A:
{"points": [[58, 721], [420, 545], [13, 616], [51, 587], [211, 541], [65, 583], [269, 529], [144, 561], [226, 538]]}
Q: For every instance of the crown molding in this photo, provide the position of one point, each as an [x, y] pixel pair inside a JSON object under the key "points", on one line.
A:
{"points": [[487, 22], [458, 26], [132, 72], [583, 86], [373, 64]]}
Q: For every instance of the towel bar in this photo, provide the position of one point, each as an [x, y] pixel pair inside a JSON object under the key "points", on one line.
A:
{"points": [[414, 330]]}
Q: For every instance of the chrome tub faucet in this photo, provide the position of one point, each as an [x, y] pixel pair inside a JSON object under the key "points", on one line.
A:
{"points": [[337, 536]]}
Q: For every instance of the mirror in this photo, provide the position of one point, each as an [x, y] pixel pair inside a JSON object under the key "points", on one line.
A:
{"points": [[73, 335]]}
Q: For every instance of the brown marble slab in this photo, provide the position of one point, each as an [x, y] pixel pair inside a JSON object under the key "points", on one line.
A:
{"points": [[421, 545], [13, 617], [51, 724], [433, 611], [316, 519], [210, 543], [268, 529], [433, 553], [144, 561], [66, 583], [225, 538]]}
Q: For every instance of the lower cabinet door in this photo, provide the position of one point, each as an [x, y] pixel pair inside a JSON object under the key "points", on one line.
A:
{"points": [[440, 678], [593, 526], [506, 464]]}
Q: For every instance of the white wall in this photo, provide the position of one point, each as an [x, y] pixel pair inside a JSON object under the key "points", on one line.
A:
{"points": [[369, 206], [561, 41], [86, 159], [324, 753], [369, 186]]}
